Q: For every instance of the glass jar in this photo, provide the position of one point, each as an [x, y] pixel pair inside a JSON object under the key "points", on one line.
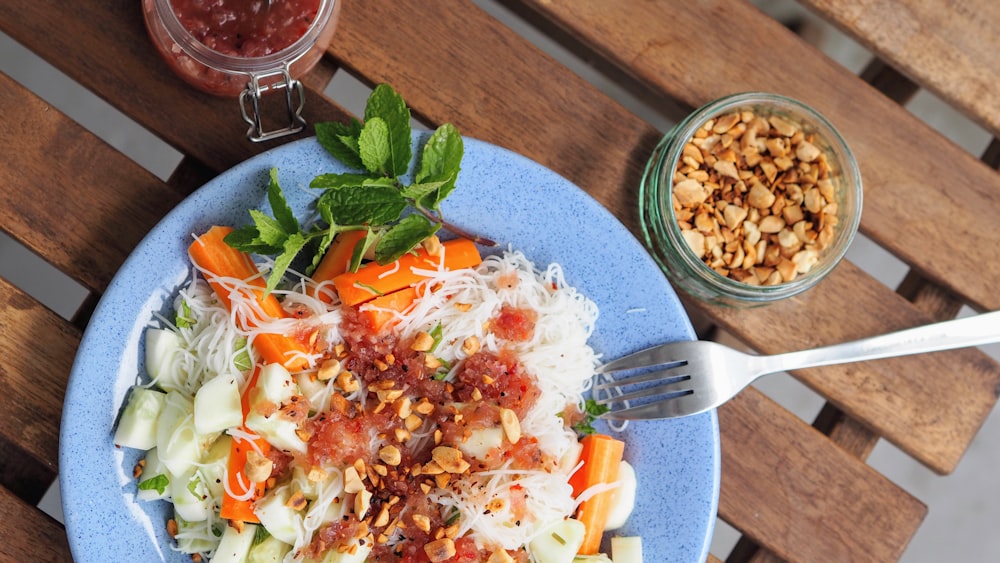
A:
{"points": [[696, 261], [245, 49]]}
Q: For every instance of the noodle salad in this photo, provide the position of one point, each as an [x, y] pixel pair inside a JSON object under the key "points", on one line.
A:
{"points": [[406, 399], [439, 430]]}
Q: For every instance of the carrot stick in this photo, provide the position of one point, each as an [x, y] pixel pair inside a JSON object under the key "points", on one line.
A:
{"points": [[396, 301], [211, 253], [373, 280], [337, 259], [232, 508], [601, 457]]}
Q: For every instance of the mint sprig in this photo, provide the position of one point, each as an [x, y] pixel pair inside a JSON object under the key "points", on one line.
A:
{"points": [[397, 216]]}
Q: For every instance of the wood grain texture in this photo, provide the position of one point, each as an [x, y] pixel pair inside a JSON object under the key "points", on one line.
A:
{"points": [[922, 192], [948, 47], [535, 107], [33, 384], [830, 507], [37, 537], [69, 196], [105, 47]]}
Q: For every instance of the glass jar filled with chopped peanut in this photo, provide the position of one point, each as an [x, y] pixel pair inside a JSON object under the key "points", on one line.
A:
{"points": [[752, 198]]}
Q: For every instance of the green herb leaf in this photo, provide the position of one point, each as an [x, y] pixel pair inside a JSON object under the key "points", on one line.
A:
{"points": [[437, 334], [341, 141], [159, 483], [183, 317], [363, 205], [269, 231], [360, 249], [591, 410], [385, 104], [193, 487], [416, 192], [332, 181], [293, 244], [259, 535], [247, 239], [440, 162], [453, 517], [241, 360], [374, 146], [403, 237], [279, 207]]}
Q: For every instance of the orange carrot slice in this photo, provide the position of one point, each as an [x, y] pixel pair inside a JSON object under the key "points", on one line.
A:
{"points": [[397, 301], [211, 253], [601, 457], [373, 280], [337, 259], [232, 508]]}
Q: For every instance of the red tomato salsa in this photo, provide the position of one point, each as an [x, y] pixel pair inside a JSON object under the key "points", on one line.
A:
{"points": [[245, 29]]}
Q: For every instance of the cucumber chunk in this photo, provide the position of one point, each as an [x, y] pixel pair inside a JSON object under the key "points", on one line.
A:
{"points": [[275, 386], [162, 346], [217, 405], [558, 543], [234, 547], [623, 497], [271, 550], [154, 484], [626, 549], [282, 521], [137, 425]]}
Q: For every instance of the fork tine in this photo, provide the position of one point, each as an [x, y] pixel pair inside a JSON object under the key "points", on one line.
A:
{"points": [[681, 405], [656, 355], [671, 373], [674, 388]]}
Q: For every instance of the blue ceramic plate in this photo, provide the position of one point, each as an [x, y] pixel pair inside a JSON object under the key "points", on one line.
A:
{"points": [[501, 195]]}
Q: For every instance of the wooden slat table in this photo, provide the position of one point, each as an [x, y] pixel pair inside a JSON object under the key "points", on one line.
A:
{"points": [[797, 490]]}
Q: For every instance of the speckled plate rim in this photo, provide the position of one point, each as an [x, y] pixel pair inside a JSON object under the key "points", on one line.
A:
{"points": [[501, 195]]}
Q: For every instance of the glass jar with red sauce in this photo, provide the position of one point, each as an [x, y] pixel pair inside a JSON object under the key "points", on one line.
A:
{"points": [[245, 49]]}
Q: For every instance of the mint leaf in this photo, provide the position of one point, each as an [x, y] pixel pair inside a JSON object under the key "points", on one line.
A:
{"points": [[371, 205], [347, 179], [269, 231], [159, 483], [402, 237], [385, 104], [416, 192], [591, 410], [293, 244], [374, 146], [259, 535], [440, 162], [242, 360], [360, 249], [341, 141], [247, 239], [183, 317], [279, 207]]}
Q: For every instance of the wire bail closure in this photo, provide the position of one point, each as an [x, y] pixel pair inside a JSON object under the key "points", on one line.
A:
{"points": [[295, 99]]}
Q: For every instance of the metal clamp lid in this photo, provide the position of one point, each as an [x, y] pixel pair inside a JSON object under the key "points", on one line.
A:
{"points": [[294, 99]]}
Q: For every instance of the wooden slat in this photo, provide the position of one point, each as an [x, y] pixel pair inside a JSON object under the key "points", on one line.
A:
{"points": [[948, 194], [948, 47], [114, 57], [69, 196], [829, 506], [28, 534], [541, 110], [33, 384]]}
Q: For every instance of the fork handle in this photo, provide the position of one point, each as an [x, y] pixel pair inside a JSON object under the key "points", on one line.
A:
{"points": [[948, 335]]}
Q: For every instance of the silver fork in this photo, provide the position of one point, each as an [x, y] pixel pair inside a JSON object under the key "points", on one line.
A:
{"points": [[697, 376]]}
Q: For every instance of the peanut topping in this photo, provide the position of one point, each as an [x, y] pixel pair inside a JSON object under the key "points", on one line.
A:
{"points": [[172, 528], [422, 342], [500, 556], [470, 345], [754, 198], [257, 467], [362, 501], [352, 481], [329, 370], [297, 501], [440, 550], [390, 455], [449, 459], [347, 382], [511, 425]]}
